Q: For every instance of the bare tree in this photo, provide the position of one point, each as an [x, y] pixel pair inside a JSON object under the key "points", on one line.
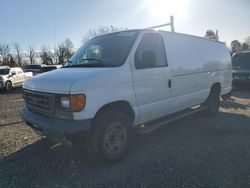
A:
{"points": [[244, 46], [64, 51], [31, 54], [101, 30], [4, 52], [210, 34], [235, 46], [69, 48], [11, 62], [17, 49], [247, 42], [60, 53], [45, 55]]}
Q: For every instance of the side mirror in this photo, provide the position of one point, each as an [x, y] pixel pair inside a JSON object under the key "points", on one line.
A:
{"points": [[13, 74]]}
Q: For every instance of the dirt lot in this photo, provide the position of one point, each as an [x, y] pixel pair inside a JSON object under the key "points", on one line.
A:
{"points": [[192, 152]]}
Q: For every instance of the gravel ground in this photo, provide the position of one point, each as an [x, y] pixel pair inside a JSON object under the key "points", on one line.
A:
{"points": [[191, 152]]}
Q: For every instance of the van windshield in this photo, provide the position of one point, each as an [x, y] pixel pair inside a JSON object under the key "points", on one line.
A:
{"points": [[241, 61], [109, 50]]}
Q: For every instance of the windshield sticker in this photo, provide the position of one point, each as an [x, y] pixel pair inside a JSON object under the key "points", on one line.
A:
{"points": [[126, 33]]}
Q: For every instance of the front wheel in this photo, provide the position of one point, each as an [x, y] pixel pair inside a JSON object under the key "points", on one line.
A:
{"points": [[8, 86], [112, 136]]}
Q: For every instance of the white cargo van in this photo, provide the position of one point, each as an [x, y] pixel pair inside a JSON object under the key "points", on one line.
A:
{"points": [[118, 82]]}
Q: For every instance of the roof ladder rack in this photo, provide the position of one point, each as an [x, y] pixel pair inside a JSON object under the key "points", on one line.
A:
{"points": [[171, 24]]}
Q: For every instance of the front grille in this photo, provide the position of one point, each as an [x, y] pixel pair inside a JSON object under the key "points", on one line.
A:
{"points": [[242, 74], [41, 102]]}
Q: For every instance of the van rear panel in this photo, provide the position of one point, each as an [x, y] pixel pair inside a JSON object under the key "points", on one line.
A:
{"points": [[196, 64]]}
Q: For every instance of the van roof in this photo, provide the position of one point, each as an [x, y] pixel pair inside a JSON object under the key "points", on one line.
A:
{"points": [[162, 31]]}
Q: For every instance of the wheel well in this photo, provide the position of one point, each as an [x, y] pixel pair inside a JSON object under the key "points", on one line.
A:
{"points": [[122, 106], [216, 87], [7, 82]]}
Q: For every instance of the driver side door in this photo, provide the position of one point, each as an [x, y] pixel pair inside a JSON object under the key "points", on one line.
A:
{"points": [[152, 78], [14, 77]]}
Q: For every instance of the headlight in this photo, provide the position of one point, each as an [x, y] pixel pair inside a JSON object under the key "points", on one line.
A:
{"points": [[74, 102], [65, 102]]}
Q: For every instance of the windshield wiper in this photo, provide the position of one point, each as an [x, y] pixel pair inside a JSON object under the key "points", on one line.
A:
{"points": [[88, 65], [69, 62], [98, 63], [92, 59]]}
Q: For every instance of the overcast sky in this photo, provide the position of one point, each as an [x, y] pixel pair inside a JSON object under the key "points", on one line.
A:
{"points": [[47, 22]]}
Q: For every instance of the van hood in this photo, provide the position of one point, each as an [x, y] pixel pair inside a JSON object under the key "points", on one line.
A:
{"points": [[61, 80]]}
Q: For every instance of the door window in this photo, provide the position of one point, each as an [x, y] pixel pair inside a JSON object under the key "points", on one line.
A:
{"points": [[13, 72], [150, 52]]}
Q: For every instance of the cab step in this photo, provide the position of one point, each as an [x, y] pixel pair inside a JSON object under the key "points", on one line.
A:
{"points": [[152, 125]]}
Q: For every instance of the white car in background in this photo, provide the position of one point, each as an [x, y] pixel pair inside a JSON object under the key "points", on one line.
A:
{"points": [[42, 68], [12, 77]]}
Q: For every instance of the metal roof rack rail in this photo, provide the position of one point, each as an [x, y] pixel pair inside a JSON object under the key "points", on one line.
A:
{"points": [[171, 24]]}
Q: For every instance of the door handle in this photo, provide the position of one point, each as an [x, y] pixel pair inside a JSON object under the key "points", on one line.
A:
{"points": [[169, 83]]}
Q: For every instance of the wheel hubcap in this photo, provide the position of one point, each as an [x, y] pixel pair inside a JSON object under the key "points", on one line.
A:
{"points": [[115, 138]]}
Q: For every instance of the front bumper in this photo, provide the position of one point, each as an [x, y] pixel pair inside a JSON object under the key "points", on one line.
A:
{"points": [[241, 78], [243, 82], [56, 129]]}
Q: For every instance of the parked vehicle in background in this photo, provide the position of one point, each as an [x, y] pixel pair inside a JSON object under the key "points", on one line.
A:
{"points": [[119, 83], [38, 69], [12, 77], [241, 69], [35, 69], [47, 68]]}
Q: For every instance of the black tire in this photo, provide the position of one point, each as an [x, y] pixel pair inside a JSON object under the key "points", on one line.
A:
{"points": [[111, 137], [8, 86], [212, 103]]}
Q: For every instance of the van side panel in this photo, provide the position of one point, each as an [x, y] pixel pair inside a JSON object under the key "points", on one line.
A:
{"points": [[197, 64]]}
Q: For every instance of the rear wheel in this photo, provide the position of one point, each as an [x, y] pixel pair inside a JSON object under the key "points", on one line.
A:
{"points": [[8, 86], [213, 102], [111, 137]]}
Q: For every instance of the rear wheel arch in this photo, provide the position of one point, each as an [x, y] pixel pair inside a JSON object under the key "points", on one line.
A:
{"points": [[216, 87], [213, 100]]}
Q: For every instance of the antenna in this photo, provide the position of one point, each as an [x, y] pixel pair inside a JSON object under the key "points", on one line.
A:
{"points": [[54, 36], [171, 24]]}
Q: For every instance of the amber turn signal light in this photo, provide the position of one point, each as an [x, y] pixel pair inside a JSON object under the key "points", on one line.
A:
{"points": [[77, 102]]}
